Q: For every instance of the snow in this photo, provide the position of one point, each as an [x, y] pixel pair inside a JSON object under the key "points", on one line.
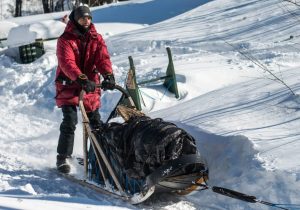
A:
{"points": [[30, 32], [246, 124], [15, 40]]}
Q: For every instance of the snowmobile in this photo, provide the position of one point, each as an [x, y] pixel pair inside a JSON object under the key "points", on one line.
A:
{"points": [[140, 156]]}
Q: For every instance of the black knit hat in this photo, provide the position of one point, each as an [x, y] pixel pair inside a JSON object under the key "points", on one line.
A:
{"points": [[82, 11]]}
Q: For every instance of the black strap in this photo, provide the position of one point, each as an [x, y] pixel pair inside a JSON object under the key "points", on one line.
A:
{"points": [[234, 194], [243, 197], [64, 80], [172, 166]]}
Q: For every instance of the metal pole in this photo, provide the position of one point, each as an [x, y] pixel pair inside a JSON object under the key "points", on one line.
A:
{"points": [[153, 80]]}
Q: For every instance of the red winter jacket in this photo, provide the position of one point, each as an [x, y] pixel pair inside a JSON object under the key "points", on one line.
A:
{"points": [[80, 54]]}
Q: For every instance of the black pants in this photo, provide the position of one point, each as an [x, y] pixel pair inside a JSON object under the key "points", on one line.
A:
{"points": [[68, 126]]}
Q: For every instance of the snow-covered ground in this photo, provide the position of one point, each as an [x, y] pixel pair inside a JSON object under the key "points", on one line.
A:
{"points": [[246, 123]]}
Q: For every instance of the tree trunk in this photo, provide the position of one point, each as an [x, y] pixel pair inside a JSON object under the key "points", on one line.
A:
{"points": [[85, 2], [18, 11], [46, 6], [51, 6]]}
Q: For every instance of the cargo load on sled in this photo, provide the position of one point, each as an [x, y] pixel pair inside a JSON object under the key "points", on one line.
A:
{"points": [[140, 156]]}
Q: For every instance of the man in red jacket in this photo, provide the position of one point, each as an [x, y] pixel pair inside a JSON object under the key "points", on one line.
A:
{"points": [[82, 56]]}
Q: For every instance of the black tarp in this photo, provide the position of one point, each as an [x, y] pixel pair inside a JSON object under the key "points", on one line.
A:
{"points": [[142, 144]]}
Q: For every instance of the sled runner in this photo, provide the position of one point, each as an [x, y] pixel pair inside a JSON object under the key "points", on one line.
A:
{"points": [[140, 156]]}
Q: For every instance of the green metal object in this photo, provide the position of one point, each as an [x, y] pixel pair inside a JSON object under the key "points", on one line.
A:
{"points": [[31, 52], [169, 81]]}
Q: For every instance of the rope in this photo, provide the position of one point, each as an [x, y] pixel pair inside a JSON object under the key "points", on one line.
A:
{"points": [[139, 92], [146, 94], [238, 195], [169, 85], [164, 94]]}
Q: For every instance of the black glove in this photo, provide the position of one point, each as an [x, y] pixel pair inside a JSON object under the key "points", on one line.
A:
{"points": [[87, 85], [109, 82]]}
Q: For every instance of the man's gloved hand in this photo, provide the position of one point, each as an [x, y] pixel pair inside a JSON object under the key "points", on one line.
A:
{"points": [[87, 85], [109, 82]]}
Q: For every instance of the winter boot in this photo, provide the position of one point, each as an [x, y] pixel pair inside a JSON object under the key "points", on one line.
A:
{"points": [[62, 165]]}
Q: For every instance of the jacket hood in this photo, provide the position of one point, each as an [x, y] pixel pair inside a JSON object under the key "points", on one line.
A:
{"points": [[74, 28], [71, 28]]}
